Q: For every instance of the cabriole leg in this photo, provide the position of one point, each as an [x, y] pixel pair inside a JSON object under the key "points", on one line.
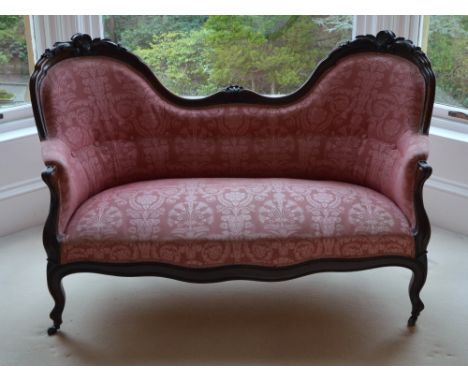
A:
{"points": [[54, 282], [417, 282]]}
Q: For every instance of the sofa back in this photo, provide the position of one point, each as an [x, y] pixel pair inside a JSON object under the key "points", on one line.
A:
{"points": [[350, 122]]}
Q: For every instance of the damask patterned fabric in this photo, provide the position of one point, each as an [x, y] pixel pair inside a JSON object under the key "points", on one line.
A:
{"points": [[210, 222], [359, 124]]}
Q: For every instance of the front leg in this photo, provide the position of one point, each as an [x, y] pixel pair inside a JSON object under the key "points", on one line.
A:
{"points": [[54, 282], [417, 282]]}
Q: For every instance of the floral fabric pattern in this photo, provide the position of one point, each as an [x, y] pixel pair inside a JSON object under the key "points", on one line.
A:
{"points": [[250, 221], [358, 124], [143, 179]]}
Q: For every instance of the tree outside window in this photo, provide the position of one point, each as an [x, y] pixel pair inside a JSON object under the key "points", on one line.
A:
{"points": [[14, 70], [446, 42], [198, 55]]}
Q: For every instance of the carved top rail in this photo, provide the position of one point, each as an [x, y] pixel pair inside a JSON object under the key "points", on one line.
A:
{"points": [[384, 42]]}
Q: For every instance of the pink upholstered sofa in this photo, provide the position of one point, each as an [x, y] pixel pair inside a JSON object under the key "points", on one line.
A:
{"points": [[235, 185]]}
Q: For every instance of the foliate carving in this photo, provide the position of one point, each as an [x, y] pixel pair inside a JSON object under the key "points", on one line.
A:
{"points": [[81, 45], [386, 41], [233, 89]]}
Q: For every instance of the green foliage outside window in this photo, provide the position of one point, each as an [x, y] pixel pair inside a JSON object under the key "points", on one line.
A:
{"points": [[198, 55], [6, 95], [448, 51], [13, 47], [13, 60]]}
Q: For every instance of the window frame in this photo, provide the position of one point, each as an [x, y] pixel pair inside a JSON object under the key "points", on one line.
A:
{"points": [[47, 29], [42, 32], [441, 117]]}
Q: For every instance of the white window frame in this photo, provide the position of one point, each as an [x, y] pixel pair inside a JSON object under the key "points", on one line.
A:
{"points": [[440, 115], [46, 30]]}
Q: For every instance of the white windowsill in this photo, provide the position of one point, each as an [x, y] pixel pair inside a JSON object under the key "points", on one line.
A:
{"points": [[19, 133], [449, 134]]}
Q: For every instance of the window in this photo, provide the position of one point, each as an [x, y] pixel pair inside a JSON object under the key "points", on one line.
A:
{"points": [[445, 39], [198, 55], [22, 41], [14, 62]]}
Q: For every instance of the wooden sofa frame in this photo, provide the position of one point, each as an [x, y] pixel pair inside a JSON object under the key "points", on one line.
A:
{"points": [[83, 45]]}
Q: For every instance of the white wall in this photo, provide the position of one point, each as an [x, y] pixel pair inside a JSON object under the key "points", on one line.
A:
{"points": [[24, 199], [446, 192]]}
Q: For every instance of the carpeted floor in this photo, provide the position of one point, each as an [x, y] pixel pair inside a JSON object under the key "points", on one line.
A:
{"points": [[324, 319]]}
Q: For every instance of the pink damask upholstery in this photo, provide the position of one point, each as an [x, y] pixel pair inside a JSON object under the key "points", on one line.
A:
{"points": [[358, 124], [211, 222], [332, 174]]}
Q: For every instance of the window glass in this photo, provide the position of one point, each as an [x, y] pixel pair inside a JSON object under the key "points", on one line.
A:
{"points": [[14, 70], [446, 38], [198, 55]]}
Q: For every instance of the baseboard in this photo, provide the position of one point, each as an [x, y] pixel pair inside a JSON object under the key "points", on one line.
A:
{"points": [[23, 205], [20, 188], [448, 186], [446, 203]]}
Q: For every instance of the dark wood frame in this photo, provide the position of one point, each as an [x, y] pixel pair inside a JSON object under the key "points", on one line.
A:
{"points": [[83, 45]]}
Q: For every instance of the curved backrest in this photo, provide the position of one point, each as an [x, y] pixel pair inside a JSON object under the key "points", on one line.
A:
{"points": [[350, 122]]}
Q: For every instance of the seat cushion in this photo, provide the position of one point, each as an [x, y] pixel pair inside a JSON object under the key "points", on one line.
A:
{"points": [[207, 222]]}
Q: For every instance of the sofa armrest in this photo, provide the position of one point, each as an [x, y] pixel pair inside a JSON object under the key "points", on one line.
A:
{"points": [[402, 183], [71, 184]]}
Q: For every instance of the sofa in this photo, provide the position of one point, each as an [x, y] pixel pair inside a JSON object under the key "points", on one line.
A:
{"points": [[235, 185]]}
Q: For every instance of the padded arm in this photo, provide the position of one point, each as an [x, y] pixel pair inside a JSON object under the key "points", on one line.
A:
{"points": [[73, 184], [400, 184]]}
